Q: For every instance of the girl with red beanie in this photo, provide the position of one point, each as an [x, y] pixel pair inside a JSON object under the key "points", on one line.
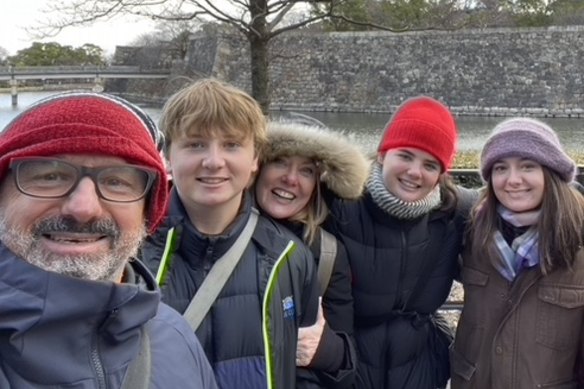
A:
{"points": [[403, 238]]}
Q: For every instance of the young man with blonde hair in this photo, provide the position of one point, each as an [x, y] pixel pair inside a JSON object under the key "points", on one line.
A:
{"points": [[215, 134]]}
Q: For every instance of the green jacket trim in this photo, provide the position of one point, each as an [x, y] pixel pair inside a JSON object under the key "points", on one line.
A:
{"points": [[267, 314], [166, 260]]}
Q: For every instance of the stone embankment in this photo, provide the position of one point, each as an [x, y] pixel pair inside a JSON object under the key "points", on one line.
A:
{"points": [[488, 72]]}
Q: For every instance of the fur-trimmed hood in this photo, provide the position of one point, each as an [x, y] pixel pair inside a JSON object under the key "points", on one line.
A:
{"points": [[343, 165]]}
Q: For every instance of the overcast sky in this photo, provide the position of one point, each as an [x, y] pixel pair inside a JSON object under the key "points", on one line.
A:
{"points": [[18, 14]]}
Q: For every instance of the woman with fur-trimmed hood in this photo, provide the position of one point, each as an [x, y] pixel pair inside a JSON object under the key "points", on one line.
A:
{"points": [[298, 160]]}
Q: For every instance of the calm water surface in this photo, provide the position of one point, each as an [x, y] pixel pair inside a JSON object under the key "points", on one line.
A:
{"points": [[366, 128]]}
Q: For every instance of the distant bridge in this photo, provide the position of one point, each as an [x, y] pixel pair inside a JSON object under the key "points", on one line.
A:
{"points": [[68, 72], [98, 73]]}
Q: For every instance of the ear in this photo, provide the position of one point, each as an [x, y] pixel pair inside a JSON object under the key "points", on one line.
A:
{"points": [[381, 157], [255, 164], [167, 165]]}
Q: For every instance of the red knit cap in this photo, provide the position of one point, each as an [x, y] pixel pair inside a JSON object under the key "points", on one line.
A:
{"points": [[425, 124], [88, 123]]}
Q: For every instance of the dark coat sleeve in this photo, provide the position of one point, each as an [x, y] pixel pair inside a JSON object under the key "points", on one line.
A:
{"points": [[466, 200]]}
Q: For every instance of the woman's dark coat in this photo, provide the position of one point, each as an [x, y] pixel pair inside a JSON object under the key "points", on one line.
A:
{"points": [[524, 334]]}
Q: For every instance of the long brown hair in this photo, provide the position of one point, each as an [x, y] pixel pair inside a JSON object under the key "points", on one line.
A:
{"points": [[448, 192], [559, 227]]}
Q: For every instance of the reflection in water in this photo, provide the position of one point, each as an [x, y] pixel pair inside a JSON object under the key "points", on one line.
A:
{"points": [[366, 128]]}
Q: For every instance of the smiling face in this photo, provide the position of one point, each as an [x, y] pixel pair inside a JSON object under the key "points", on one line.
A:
{"points": [[518, 183], [409, 174], [285, 186], [211, 172], [80, 235]]}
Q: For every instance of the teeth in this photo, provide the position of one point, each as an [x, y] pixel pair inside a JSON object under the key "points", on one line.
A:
{"points": [[409, 184], [212, 180], [283, 194], [75, 240]]}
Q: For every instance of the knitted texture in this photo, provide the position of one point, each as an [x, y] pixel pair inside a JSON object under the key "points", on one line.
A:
{"points": [[526, 138], [88, 123], [425, 124], [396, 207]]}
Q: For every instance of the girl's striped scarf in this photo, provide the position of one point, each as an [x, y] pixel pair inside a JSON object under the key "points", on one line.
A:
{"points": [[398, 208]]}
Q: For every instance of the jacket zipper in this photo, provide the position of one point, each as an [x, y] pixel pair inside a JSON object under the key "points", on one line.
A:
{"points": [[402, 266], [97, 365]]}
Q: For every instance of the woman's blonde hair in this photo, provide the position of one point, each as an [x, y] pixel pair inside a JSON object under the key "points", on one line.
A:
{"points": [[314, 214]]}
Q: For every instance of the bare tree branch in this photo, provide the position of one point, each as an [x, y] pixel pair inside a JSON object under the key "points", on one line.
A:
{"points": [[258, 20]]}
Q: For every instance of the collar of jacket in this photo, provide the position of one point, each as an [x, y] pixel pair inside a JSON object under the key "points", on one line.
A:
{"points": [[51, 324], [195, 246]]}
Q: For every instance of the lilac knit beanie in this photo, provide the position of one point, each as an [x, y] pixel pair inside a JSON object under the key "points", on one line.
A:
{"points": [[526, 138]]}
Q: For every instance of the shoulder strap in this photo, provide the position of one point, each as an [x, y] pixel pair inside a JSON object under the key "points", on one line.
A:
{"points": [[138, 374], [328, 254], [218, 276]]}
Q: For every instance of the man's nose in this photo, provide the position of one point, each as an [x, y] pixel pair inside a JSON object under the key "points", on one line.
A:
{"points": [[83, 204]]}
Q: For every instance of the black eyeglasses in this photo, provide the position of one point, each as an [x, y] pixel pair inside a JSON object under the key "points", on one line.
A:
{"points": [[53, 178]]}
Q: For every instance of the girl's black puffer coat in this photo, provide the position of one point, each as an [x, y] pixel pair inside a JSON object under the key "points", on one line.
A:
{"points": [[393, 332]]}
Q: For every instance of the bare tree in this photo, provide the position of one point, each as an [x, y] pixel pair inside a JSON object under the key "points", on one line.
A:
{"points": [[259, 21], [3, 55]]}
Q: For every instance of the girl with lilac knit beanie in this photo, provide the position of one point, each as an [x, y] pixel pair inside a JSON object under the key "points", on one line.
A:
{"points": [[522, 325]]}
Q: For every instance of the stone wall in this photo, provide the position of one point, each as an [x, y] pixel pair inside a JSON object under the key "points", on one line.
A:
{"points": [[495, 72], [532, 71]]}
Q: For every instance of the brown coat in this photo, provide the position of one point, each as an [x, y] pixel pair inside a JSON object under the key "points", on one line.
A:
{"points": [[520, 335]]}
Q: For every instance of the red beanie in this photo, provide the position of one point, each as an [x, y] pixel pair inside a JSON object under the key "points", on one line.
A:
{"points": [[89, 123], [422, 123]]}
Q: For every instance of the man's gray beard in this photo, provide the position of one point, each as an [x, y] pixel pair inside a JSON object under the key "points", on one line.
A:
{"points": [[107, 266]]}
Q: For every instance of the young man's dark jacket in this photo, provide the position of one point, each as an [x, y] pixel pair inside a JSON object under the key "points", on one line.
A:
{"points": [[63, 332], [264, 298]]}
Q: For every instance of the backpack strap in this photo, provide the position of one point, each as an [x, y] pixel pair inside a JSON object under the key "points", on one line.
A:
{"points": [[219, 274], [138, 373], [326, 262]]}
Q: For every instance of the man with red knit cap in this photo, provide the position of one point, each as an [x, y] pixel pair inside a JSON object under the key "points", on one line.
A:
{"points": [[82, 181], [403, 238]]}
